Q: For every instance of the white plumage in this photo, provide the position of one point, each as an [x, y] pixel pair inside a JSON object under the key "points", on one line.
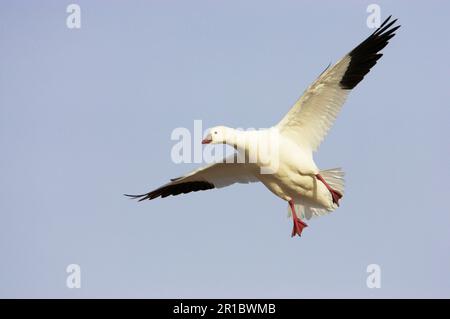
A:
{"points": [[288, 169]]}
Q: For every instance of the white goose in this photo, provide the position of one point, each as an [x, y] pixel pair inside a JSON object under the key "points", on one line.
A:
{"points": [[296, 178]]}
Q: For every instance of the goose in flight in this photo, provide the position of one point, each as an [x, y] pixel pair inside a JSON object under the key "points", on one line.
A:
{"points": [[292, 175]]}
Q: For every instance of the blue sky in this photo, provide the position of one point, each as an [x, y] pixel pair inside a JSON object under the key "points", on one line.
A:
{"points": [[86, 115]]}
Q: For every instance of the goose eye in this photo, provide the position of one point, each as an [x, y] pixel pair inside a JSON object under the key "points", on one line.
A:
{"points": [[215, 132]]}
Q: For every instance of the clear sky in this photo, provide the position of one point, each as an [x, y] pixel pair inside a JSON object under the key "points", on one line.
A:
{"points": [[86, 115]]}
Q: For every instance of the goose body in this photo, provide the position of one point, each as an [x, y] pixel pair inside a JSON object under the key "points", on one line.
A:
{"points": [[288, 169]]}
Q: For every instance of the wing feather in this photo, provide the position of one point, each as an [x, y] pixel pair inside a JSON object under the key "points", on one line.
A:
{"points": [[311, 117], [216, 175]]}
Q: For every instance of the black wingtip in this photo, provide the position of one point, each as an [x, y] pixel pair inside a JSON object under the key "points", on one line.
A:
{"points": [[174, 189], [131, 196], [139, 197], [366, 54], [386, 21]]}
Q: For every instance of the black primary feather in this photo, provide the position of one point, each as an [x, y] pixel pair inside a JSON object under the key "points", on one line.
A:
{"points": [[365, 55], [174, 189]]}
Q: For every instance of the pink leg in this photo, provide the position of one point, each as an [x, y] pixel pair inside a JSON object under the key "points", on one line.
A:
{"points": [[334, 193], [298, 223]]}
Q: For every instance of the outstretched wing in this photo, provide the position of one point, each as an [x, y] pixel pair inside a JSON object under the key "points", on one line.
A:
{"points": [[314, 113], [216, 175]]}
